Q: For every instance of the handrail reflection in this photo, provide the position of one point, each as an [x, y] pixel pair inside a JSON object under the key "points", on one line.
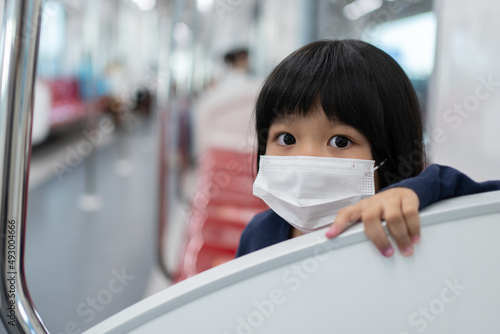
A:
{"points": [[20, 32]]}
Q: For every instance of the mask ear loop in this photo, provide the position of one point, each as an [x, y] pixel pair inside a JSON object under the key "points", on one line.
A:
{"points": [[380, 165]]}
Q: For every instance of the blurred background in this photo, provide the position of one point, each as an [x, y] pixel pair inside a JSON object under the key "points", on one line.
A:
{"points": [[141, 166]]}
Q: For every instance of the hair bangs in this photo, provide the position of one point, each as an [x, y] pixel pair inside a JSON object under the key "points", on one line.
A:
{"points": [[301, 84], [336, 78], [349, 93]]}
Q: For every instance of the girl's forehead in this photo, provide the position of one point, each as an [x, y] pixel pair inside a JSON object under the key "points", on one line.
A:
{"points": [[314, 112]]}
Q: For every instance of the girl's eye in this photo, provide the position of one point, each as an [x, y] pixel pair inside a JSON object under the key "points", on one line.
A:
{"points": [[286, 139], [340, 142]]}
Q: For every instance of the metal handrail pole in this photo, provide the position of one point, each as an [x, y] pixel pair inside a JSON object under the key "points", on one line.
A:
{"points": [[20, 34]]}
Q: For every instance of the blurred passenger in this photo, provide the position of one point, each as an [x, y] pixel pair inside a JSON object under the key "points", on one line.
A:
{"points": [[142, 101], [116, 102], [223, 115]]}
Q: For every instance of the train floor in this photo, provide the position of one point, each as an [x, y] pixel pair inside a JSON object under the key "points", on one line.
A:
{"points": [[91, 231]]}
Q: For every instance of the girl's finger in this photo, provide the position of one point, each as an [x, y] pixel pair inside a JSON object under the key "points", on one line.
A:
{"points": [[375, 231], [409, 207], [344, 217], [397, 227]]}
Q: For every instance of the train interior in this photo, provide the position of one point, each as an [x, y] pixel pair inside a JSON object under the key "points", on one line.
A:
{"points": [[143, 147]]}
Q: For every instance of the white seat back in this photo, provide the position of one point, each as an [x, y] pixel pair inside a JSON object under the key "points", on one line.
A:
{"points": [[314, 285]]}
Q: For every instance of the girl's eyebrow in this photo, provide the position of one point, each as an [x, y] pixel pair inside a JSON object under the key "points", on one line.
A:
{"points": [[344, 125], [283, 119], [279, 121]]}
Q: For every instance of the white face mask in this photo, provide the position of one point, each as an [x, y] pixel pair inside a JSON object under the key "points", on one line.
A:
{"points": [[309, 191]]}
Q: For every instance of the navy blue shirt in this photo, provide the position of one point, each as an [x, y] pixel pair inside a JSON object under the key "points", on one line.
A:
{"points": [[434, 184]]}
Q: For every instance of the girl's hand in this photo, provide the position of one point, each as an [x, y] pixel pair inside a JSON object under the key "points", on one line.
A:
{"points": [[397, 206]]}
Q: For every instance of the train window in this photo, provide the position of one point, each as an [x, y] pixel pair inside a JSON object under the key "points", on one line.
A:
{"points": [[53, 34], [416, 57]]}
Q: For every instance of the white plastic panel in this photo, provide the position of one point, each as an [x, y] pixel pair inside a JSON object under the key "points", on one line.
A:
{"points": [[310, 284]]}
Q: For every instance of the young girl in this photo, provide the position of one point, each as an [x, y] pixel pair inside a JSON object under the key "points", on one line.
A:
{"points": [[339, 120]]}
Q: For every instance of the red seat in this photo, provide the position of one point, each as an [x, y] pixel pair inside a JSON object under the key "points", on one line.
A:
{"points": [[233, 163], [201, 257], [220, 209], [209, 257], [67, 106], [222, 234]]}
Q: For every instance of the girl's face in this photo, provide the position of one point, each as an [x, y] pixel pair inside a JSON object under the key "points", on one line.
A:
{"points": [[316, 135]]}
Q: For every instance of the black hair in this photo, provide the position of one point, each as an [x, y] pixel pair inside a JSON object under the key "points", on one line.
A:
{"points": [[358, 85]]}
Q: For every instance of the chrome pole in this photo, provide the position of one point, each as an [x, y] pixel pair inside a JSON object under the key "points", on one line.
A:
{"points": [[19, 39]]}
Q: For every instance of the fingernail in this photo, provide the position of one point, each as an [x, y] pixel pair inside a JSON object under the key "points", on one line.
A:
{"points": [[408, 251], [415, 239], [388, 252], [332, 232]]}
